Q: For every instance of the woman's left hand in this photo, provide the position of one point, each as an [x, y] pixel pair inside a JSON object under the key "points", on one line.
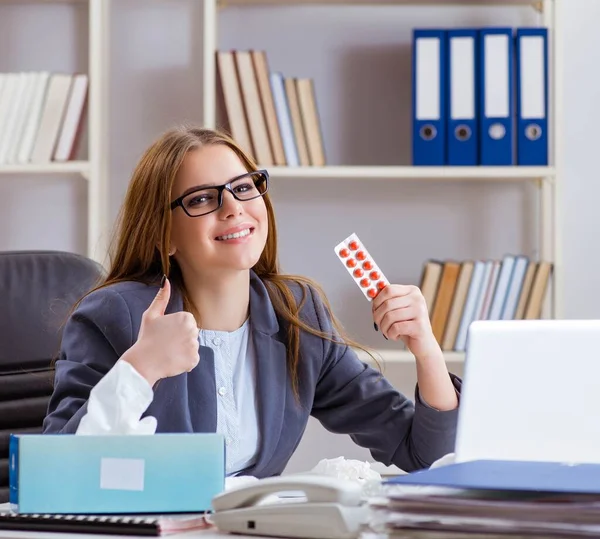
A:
{"points": [[400, 312]]}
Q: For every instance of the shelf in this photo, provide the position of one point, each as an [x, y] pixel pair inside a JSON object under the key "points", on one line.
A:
{"points": [[533, 3], [403, 356], [21, 2], [68, 167], [408, 172]]}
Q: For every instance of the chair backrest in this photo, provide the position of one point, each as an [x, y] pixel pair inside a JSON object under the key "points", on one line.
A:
{"points": [[38, 289]]}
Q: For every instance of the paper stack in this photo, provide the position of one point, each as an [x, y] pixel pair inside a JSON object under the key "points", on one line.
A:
{"points": [[530, 500]]}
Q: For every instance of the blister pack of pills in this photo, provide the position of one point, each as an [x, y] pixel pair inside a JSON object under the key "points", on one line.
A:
{"points": [[361, 266]]}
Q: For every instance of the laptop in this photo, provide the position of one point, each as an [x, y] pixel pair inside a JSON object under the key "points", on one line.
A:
{"points": [[531, 391]]}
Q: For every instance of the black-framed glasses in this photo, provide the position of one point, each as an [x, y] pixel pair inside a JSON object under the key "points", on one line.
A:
{"points": [[205, 200]]}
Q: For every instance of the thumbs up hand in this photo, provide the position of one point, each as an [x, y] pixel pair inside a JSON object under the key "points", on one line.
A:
{"points": [[167, 344]]}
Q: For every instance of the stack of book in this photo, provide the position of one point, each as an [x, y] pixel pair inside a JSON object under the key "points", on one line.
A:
{"points": [[272, 117], [41, 116], [458, 293]]}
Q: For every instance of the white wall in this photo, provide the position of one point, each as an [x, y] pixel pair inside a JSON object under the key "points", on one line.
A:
{"points": [[581, 219], [360, 60], [43, 212]]}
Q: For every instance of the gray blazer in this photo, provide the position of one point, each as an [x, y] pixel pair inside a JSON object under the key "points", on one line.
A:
{"points": [[343, 393]]}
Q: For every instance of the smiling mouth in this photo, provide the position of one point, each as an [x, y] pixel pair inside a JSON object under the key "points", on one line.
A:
{"points": [[236, 235]]}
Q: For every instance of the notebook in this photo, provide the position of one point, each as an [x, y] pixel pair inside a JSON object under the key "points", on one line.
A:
{"points": [[149, 525]]}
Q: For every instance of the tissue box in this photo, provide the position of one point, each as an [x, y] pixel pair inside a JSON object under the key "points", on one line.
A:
{"points": [[158, 473]]}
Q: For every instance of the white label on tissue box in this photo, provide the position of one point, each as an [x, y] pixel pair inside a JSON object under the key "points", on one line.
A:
{"points": [[122, 474]]}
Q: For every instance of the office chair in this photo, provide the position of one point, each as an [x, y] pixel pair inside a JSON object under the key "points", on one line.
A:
{"points": [[37, 291]]}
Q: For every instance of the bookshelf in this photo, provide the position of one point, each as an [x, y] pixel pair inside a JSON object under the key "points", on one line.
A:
{"points": [[68, 167], [404, 356], [93, 170], [416, 173], [546, 180], [43, 1], [535, 3]]}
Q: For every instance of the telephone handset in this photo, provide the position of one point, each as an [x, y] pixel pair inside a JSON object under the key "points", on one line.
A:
{"points": [[330, 508]]}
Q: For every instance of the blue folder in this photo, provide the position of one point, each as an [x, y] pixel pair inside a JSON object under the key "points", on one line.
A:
{"points": [[463, 132], [496, 106], [500, 475], [429, 97], [532, 96]]}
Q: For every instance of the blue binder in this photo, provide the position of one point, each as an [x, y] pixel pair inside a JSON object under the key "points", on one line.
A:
{"points": [[501, 475], [463, 132], [429, 97], [532, 96], [496, 110]]}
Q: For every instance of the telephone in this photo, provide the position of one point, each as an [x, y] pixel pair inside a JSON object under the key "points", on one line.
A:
{"points": [[330, 508]]}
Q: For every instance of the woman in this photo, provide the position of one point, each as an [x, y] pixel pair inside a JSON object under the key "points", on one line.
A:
{"points": [[227, 343]]}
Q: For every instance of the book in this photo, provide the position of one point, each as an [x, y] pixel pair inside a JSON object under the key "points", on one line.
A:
{"points": [[310, 121], [33, 116], [525, 290], [538, 289], [72, 121], [252, 105], [443, 300], [457, 305], [59, 88], [296, 116], [230, 109], [261, 70], [284, 119], [430, 280]]}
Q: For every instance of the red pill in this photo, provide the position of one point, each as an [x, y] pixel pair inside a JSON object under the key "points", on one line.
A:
{"points": [[374, 275], [351, 263], [364, 282], [361, 255], [372, 292], [353, 245], [357, 273], [381, 285], [344, 252], [368, 265]]}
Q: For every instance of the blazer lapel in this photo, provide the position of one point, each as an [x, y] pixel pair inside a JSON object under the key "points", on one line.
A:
{"points": [[200, 382], [272, 382], [271, 371], [201, 389]]}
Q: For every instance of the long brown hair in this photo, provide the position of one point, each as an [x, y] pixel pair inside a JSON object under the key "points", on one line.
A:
{"points": [[140, 250]]}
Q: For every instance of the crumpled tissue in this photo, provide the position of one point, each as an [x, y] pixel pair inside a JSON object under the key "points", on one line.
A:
{"points": [[353, 470], [117, 402], [239, 481], [343, 468], [444, 461]]}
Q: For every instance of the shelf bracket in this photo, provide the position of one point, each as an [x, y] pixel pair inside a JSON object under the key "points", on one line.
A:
{"points": [[85, 174]]}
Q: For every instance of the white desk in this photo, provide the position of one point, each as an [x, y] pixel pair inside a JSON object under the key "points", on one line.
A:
{"points": [[212, 533]]}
